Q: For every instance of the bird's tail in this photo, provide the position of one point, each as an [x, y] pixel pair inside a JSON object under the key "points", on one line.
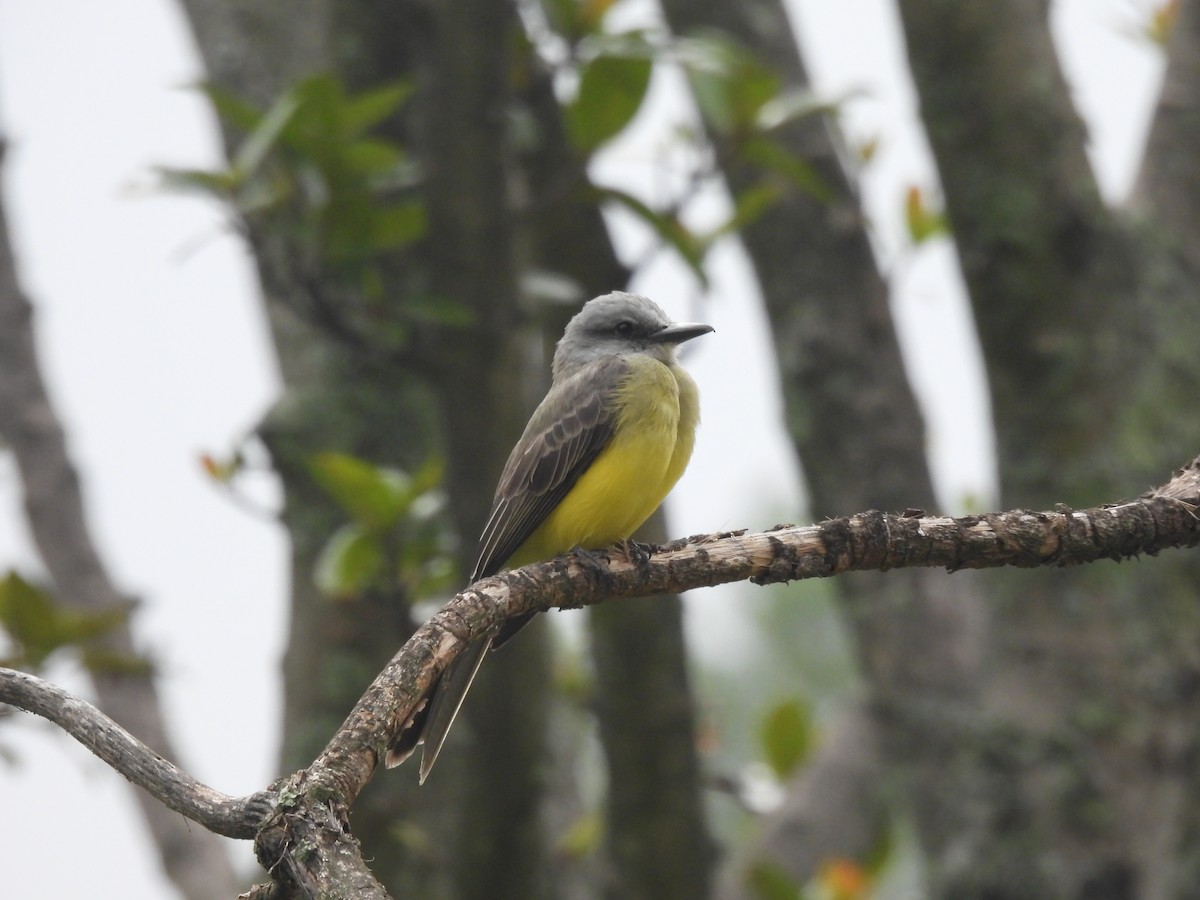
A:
{"points": [[445, 703], [431, 721]]}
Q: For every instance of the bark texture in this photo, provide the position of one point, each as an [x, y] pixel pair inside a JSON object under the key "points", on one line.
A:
{"points": [[1073, 301]]}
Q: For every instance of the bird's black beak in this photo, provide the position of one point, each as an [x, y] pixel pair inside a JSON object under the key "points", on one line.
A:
{"points": [[679, 332]]}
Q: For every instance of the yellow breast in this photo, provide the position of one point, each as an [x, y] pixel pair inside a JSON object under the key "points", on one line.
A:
{"points": [[657, 413]]}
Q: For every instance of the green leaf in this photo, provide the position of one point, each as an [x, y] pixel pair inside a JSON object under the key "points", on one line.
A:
{"points": [[560, 14], [787, 736], [428, 477], [29, 616], [789, 106], [265, 135], [366, 110], [773, 156], [667, 227], [218, 182], [350, 562], [346, 229], [924, 221], [372, 496], [369, 156], [767, 881], [729, 84], [750, 204], [611, 90], [396, 536], [1161, 23], [262, 193], [231, 108], [376, 497], [38, 625], [309, 170], [576, 19], [397, 225], [324, 119]]}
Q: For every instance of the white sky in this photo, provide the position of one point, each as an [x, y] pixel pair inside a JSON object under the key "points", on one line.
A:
{"points": [[153, 345]]}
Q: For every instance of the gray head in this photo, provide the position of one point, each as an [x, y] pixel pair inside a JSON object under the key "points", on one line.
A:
{"points": [[617, 324]]}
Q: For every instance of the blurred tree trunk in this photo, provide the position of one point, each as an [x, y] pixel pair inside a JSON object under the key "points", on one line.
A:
{"points": [[1167, 207], [463, 390], [860, 436], [1092, 716], [466, 149], [656, 839], [125, 686], [1050, 272], [372, 401]]}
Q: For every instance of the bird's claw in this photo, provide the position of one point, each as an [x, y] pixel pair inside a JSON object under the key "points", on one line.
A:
{"points": [[636, 553]]}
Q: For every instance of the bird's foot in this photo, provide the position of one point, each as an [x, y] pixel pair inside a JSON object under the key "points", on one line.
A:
{"points": [[595, 561], [636, 553]]}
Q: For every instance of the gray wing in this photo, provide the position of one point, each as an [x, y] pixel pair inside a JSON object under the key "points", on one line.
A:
{"points": [[564, 436]]}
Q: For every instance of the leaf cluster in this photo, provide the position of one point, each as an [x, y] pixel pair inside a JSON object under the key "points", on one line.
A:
{"points": [[312, 166], [37, 627], [742, 104], [395, 538]]}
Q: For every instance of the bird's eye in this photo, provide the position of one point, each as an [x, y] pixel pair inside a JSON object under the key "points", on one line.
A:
{"points": [[624, 328]]}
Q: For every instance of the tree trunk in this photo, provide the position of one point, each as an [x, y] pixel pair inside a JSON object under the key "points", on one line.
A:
{"points": [[364, 401], [1089, 719], [860, 436]]}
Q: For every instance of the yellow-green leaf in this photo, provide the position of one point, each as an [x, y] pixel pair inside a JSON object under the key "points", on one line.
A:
{"points": [[787, 736], [767, 881], [582, 837], [350, 562], [924, 221], [373, 496], [730, 85]]}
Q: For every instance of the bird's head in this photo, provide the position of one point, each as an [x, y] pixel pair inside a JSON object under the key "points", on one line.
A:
{"points": [[616, 324]]}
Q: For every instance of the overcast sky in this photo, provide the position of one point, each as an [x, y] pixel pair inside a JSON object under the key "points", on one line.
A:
{"points": [[154, 347]]}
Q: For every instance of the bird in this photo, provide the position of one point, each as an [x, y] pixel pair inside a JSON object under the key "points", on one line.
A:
{"points": [[597, 458]]}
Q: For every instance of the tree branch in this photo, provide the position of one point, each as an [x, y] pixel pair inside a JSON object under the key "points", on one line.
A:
{"points": [[1163, 518], [305, 839], [236, 817]]}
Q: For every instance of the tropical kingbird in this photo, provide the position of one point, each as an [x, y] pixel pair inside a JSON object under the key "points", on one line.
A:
{"points": [[598, 456]]}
